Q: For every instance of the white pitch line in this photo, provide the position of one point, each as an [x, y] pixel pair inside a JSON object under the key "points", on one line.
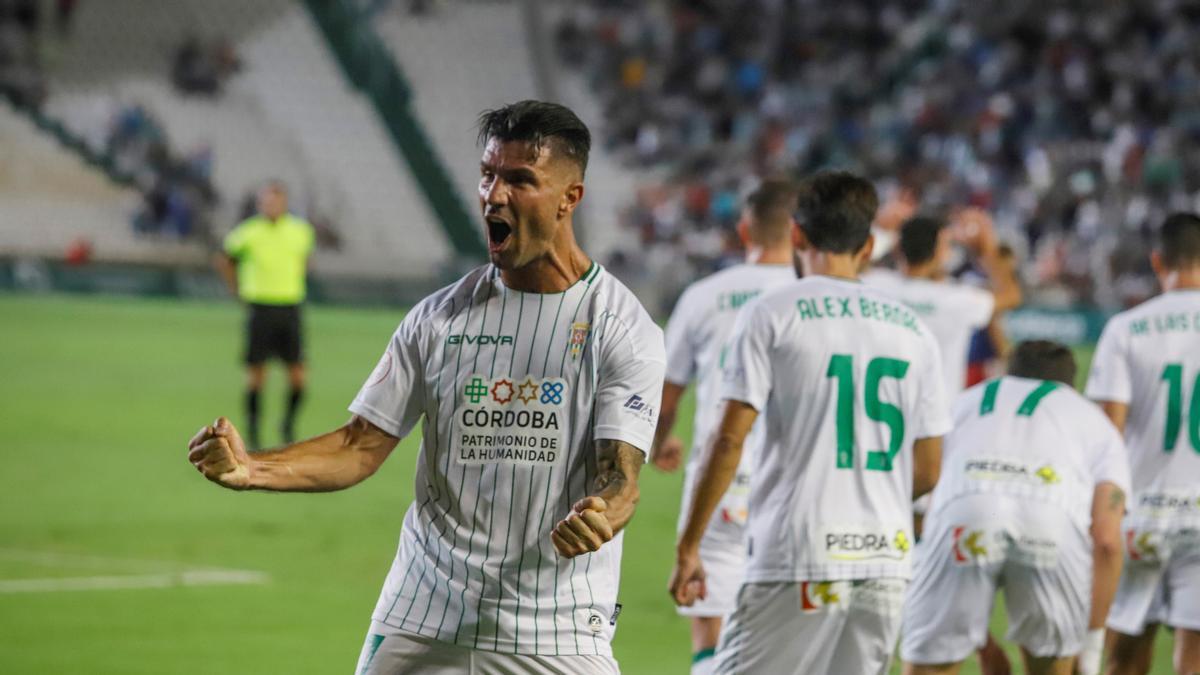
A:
{"points": [[137, 581]]}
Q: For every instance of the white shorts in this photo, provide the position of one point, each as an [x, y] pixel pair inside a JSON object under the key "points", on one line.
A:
{"points": [[806, 627], [977, 544], [1160, 582], [722, 549], [389, 651]]}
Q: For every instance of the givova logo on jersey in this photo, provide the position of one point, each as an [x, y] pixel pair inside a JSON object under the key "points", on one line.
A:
{"points": [[864, 545], [506, 420]]}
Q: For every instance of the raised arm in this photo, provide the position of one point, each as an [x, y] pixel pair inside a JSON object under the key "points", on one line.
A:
{"points": [[333, 461], [667, 451], [597, 518]]}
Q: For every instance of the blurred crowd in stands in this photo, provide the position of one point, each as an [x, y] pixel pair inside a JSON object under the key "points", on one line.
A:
{"points": [[177, 188], [22, 78], [1076, 124], [203, 67]]}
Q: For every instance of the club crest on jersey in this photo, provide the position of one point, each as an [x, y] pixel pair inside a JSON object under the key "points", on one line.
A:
{"points": [[865, 545], [579, 336], [507, 420]]}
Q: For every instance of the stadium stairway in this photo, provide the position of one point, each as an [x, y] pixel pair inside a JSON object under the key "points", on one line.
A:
{"points": [[289, 114], [465, 57]]}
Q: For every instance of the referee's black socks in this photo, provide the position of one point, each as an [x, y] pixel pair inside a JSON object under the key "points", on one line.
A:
{"points": [[295, 396], [252, 418]]}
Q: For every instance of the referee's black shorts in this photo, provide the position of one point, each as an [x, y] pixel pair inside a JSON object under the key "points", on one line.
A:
{"points": [[274, 331]]}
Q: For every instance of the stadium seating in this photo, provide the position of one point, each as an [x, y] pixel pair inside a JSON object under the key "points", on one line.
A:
{"points": [[299, 120], [52, 199]]}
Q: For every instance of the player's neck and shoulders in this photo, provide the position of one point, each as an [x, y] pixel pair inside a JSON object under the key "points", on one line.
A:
{"points": [[1186, 298], [744, 276]]}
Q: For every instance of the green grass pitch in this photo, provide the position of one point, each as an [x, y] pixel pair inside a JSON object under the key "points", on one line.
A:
{"points": [[99, 397]]}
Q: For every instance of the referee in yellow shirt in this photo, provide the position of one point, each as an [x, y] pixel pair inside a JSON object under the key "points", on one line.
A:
{"points": [[264, 262]]}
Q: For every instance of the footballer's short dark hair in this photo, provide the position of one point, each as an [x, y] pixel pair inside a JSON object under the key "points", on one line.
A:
{"points": [[1179, 240], [770, 208], [919, 238], [1043, 360], [539, 122], [835, 210]]}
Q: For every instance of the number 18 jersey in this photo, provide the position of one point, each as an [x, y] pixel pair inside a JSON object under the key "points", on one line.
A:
{"points": [[1149, 359], [846, 379]]}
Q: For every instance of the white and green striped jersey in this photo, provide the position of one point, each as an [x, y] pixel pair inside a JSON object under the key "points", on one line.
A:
{"points": [[1030, 440], [697, 338], [1149, 358], [847, 379], [514, 389]]}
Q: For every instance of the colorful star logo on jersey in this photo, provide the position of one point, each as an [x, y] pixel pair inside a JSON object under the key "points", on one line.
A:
{"points": [[901, 541], [527, 391], [579, 336], [475, 390], [502, 391], [1048, 475]]}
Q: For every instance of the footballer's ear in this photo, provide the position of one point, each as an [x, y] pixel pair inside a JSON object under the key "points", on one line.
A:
{"points": [[863, 257], [743, 231], [799, 239], [1156, 263], [570, 198]]}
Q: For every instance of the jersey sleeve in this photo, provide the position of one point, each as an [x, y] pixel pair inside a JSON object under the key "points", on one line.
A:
{"points": [[236, 242], [681, 342], [392, 398], [747, 375], [933, 413], [1112, 459], [630, 379], [980, 305], [1110, 379]]}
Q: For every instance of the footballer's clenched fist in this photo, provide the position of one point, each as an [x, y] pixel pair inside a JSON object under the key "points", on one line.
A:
{"points": [[217, 452], [584, 530]]}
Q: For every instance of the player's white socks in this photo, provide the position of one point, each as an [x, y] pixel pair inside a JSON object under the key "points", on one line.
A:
{"points": [[1093, 647], [704, 662]]}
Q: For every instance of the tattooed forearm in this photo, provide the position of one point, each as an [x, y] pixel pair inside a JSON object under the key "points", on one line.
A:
{"points": [[617, 467]]}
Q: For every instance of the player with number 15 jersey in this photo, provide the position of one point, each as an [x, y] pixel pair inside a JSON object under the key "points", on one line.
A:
{"points": [[848, 381]]}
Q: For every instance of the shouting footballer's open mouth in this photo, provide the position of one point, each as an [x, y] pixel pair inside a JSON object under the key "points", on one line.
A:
{"points": [[499, 232]]}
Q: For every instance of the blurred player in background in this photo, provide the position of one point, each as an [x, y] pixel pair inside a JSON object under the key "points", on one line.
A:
{"points": [[265, 264], [1030, 467], [951, 310], [697, 336], [538, 377], [850, 385], [1146, 375]]}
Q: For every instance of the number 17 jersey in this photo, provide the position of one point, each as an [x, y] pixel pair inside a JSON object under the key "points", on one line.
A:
{"points": [[846, 379]]}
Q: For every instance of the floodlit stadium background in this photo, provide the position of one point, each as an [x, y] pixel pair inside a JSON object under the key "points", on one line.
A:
{"points": [[132, 132]]}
